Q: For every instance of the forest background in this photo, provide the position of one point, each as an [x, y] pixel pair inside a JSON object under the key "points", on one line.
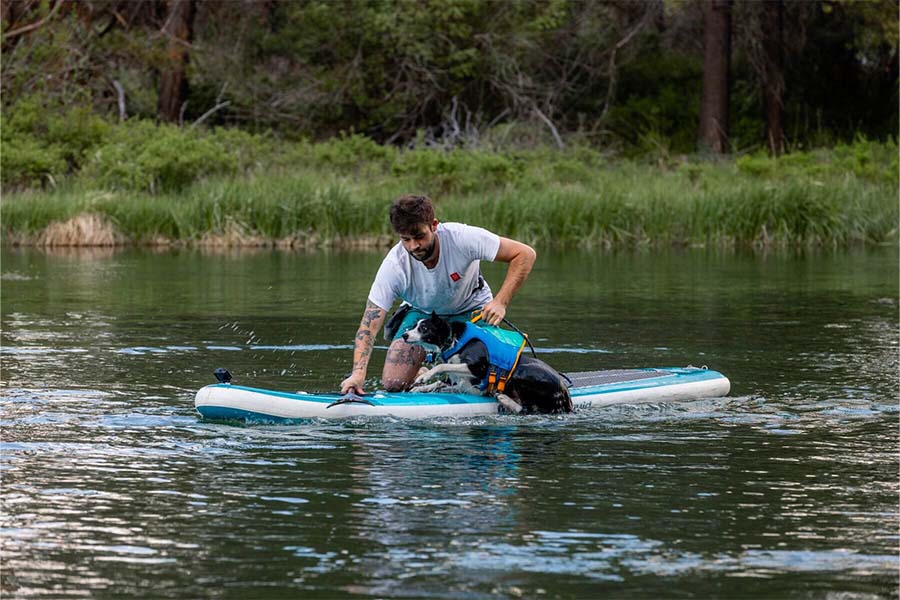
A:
{"points": [[295, 123]]}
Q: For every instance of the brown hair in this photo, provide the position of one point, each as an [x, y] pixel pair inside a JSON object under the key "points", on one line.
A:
{"points": [[410, 211]]}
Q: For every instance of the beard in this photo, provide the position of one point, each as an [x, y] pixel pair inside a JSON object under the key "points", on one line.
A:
{"points": [[425, 253]]}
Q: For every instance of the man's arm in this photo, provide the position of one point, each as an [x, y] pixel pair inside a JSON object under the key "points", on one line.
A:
{"points": [[371, 323], [521, 258]]}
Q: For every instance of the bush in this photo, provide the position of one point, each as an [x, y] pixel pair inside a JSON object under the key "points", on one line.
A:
{"points": [[758, 165], [141, 155], [251, 151], [44, 143], [352, 151], [26, 162], [867, 159], [864, 159], [457, 170]]}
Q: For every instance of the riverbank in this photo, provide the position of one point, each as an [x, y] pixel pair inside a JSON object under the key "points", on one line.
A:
{"points": [[337, 194]]}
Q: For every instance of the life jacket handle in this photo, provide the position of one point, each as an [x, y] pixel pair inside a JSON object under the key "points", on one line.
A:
{"points": [[477, 316]]}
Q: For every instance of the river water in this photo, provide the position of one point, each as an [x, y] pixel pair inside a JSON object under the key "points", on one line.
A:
{"points": [[112, 486]]}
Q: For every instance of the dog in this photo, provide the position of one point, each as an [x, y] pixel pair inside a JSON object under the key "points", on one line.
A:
{"points": [[533, 387]]}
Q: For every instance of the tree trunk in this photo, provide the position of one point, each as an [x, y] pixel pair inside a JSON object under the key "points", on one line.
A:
{"points": [[773, 74], [268, 13], [174, 84], [8, 13], [716, 76]]}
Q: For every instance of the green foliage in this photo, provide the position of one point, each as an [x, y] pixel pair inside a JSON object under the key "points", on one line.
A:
{"points": [[370, 61], [623, 75], [659, 98], [863, 159], [577, 198], [868, 159], [142, 155], [28, 163], [757, 164], [42, 144], [458, 170], [352, 151]]}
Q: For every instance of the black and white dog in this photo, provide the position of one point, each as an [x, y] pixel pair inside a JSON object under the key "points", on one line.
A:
{"points": [[534, 387]]}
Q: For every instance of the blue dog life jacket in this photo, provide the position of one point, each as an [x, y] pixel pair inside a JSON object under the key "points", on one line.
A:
{"points": [[504, 347]]}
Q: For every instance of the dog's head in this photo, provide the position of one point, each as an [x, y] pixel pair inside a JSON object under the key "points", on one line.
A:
{"points": [[432, 333]]}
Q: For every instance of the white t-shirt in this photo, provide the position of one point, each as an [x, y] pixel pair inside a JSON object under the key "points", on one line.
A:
{"points": [[449, 287]]}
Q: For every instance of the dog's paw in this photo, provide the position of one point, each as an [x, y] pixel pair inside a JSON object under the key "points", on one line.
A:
{"points": [[509, 404], [423, 378], [422, 388]]}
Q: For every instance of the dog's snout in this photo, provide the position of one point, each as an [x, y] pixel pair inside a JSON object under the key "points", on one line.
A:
{"points": [[405, 336]]}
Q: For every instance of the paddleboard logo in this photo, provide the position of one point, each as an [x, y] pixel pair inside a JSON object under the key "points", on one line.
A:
{"points": [[454, 276]]}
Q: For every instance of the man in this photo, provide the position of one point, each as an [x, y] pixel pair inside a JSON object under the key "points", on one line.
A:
{"points": [[435, 267]]}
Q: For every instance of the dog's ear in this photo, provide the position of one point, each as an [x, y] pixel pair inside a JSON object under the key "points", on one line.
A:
{"points": [[434, 316]]}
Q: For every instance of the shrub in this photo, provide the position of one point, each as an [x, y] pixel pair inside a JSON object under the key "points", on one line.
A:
{"points": [[26, 162], [352, 151], [141, 155], [44, 143], [251, 151], [457, 170], [864, 159], [867, 159], [755, 164]]}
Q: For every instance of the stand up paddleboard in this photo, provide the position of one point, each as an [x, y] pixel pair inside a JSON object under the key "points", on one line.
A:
{"points": [[225, 401]]}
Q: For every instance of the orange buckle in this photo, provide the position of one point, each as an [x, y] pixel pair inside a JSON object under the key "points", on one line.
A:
{"points": [[492, 380]]}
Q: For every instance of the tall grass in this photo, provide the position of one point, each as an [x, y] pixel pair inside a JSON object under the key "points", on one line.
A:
{"points": [[320, 196]]}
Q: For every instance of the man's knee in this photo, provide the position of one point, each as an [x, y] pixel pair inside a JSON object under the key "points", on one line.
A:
{"points": [[394, 384], [401, 366], [398, 377]]}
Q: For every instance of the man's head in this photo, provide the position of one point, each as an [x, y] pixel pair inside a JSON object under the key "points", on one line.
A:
{"points": [[412, 217], [410, 211]]}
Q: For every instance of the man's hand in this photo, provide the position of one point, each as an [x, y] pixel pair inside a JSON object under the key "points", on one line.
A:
{"points": [[493, 312], [353, 385]]}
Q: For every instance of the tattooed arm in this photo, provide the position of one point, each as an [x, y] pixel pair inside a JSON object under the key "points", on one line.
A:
{"points": [[369, 327]]}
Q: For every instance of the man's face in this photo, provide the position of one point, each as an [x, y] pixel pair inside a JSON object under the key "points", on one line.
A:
{"points": [[420, 242]]}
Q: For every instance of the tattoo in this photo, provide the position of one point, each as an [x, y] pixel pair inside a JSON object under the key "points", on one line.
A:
{"points": [[373, 312], [405, 356], [365, 336]]}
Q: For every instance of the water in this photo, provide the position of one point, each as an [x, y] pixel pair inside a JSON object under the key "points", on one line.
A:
{"points": [[112, 487]]}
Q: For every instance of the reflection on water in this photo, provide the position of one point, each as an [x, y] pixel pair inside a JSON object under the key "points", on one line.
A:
{"points": [[110, 482]]}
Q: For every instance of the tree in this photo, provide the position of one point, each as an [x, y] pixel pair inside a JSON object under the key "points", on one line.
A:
{"points": [[716, 76], [773, 74], [173, 89]]}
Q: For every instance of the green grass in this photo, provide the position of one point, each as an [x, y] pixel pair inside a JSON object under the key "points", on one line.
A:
{"points": [[339, 192]]}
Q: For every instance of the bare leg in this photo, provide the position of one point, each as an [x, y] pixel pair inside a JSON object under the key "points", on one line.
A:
{"points": [[401, 365]]}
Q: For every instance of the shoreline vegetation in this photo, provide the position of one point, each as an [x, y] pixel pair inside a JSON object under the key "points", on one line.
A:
{"points": [[569, 123], [156, 185]]}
